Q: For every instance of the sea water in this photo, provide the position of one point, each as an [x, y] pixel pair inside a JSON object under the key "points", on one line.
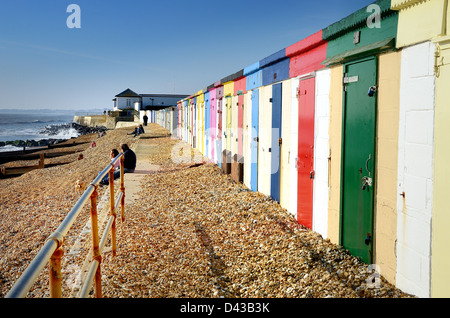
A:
{"points": [[17, 124]]}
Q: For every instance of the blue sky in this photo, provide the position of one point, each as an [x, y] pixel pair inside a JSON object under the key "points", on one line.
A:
{"points": [[171, 46]]}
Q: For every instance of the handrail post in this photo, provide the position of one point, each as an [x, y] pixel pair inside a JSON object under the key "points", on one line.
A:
{"points": [[54, 269], [113, 211], [95, 243], [122, 187], [52, 252]]}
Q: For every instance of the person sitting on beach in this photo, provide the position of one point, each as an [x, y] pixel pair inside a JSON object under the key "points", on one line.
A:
{"points": [[114, 153], [137, 131], [129, 156], [129, 164]]}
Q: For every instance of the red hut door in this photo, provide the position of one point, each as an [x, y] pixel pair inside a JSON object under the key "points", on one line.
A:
{"points": [[305, 164]]}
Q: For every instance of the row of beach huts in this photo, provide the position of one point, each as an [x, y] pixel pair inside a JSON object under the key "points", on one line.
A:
{"points": [[349, 130]]}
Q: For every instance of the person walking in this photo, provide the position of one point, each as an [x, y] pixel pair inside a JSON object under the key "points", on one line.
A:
{"points": [[145, 119]]}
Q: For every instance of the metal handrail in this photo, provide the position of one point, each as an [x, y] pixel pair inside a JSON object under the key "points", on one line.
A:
{"points": [[52, 252], [95, 262]]}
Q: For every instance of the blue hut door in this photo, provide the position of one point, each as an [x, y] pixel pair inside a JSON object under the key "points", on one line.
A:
{"points": [[254, 141], [276, 142]]}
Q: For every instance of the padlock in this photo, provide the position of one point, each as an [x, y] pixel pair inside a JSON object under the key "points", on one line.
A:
{"points": [[372, 91], [366, 181], [363, 183], [367, 240]]}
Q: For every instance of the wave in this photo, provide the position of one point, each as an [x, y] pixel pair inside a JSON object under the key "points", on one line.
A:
{"points": [[37, 121], [10, 148], [62, 134]]}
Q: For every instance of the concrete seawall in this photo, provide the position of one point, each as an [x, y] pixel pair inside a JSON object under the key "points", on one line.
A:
{"points": [[104, 121]]}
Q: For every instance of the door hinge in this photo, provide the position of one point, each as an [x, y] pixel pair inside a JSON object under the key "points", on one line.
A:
{"points": [[438, 61]]}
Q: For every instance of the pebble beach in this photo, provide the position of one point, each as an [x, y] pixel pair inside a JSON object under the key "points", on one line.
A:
{"points": [[33, 205], [190, 231]]}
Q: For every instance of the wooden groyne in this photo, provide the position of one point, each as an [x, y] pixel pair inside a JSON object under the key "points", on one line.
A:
{"points": [[38, 153]]}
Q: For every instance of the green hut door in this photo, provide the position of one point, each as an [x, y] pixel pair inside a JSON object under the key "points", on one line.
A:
{"points": [[358, 158]]}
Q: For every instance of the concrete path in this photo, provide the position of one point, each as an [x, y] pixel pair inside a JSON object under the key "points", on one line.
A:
{"points": [[142, 149]]}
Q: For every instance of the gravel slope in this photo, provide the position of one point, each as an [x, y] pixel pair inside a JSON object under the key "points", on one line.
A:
{"points": [[33, 205], [193, 232]]}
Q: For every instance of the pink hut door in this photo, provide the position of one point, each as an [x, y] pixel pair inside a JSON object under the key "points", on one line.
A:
{"points": [[212, 122]]}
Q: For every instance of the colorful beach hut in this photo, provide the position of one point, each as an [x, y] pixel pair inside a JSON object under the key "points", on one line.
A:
{"points": [[364, 89], [212, 131], [253, 76], [275, 68], [306, 57], [423, 220]]}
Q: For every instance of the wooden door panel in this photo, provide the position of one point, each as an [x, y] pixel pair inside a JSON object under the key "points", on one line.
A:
{"points": [[359, 134], [305, 170]]}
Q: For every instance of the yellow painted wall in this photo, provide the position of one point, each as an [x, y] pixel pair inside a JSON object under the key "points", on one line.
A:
{"points": [[201, 120], [419, 21], [389, 68], [335, 132], [440, 261], [198, 125], [200, 97], [226, 124], [228, 89]]}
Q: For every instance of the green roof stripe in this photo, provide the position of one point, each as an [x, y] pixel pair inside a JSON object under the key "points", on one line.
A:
{"points": [[355, 20]]}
